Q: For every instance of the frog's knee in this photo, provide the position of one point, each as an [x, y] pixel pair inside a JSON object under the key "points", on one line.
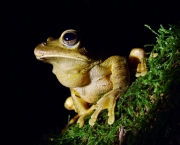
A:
{"points": [[136, 57], [69, 105], [138, 53]]}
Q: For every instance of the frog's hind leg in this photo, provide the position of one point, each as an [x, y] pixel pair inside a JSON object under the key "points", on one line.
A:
{"points": [[137, 62], [78, 105], [72, 121]]}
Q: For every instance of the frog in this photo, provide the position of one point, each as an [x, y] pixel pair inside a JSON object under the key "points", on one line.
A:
{"points": [[95, 84]]}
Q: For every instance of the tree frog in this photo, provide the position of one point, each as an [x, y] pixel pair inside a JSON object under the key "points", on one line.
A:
{"points": [[95, 84]]}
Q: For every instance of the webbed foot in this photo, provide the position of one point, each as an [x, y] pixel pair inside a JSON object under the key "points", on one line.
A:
{"points": [[108, 101]]}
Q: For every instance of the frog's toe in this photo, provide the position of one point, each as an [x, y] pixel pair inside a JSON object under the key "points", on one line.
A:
{"points": [[92, 121], [111, 120], [111, 115], [94, 117], [81, 121]]}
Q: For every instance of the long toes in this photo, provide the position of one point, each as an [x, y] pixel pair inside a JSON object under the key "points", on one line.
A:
{"points": [[111, 120], [94, 116], [81, 122], [91, 121]]}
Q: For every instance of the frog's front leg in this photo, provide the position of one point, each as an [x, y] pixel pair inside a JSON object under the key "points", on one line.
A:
{"points": [[120, 80], [108, 101]]}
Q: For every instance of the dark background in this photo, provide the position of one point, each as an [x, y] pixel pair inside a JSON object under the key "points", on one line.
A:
{"points": [[31, 97]]}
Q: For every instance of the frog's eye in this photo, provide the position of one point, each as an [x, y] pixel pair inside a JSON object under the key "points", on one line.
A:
{"points": [[70, 38]]}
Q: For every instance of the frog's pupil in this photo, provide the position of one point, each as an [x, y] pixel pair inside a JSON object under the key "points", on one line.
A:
{"points": [[69, 36]]}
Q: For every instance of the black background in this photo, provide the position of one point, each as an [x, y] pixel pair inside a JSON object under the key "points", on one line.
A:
{"points": [[31, 97]]}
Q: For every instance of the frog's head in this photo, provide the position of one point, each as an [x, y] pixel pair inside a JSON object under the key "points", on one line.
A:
{"points": [[67, 46]]}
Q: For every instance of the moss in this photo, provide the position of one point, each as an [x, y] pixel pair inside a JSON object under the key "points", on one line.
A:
{"points": [[148, 111]]}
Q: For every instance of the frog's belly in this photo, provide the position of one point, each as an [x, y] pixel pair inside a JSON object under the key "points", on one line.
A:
{"points": [[91, 92]]}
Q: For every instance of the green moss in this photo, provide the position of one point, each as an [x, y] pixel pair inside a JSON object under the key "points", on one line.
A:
{"points": [[148, 111]]}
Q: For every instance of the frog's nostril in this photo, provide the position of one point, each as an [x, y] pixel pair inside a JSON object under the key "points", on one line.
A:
{"points": [[43, 44]]}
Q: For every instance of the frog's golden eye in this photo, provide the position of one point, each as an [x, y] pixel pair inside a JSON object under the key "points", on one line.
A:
{"points": [[70, 38]]}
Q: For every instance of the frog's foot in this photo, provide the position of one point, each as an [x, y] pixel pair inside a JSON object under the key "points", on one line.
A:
{"points": [[108, 101], [141, 68], [81, 118]]}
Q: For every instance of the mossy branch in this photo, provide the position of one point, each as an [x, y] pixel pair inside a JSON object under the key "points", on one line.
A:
{"points": [[149, 103]]}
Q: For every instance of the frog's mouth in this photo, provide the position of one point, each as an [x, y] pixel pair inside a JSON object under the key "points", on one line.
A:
{"points": [[53, 57], [45, 56], [42, 58]]}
